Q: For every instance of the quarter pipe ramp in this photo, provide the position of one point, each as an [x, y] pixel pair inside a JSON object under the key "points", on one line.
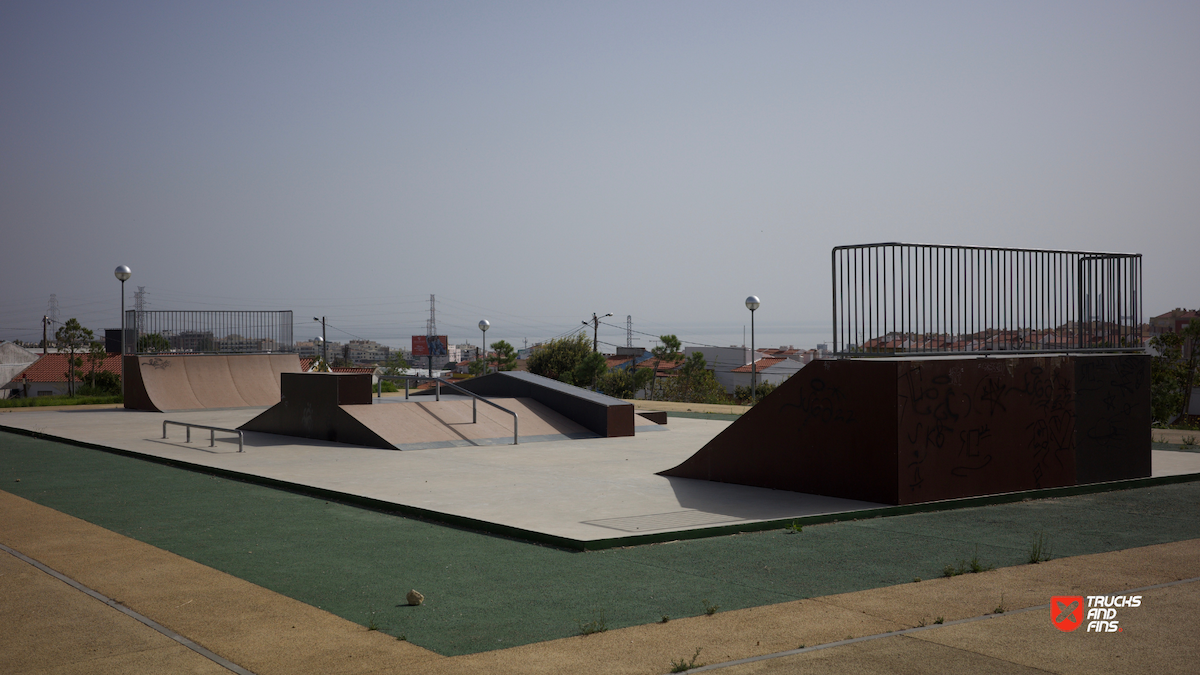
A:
{"points": [[162, 383]]}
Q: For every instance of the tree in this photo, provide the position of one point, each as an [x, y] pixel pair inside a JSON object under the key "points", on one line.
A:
{"points": [[695, 383], [1173, 372], [102, 383], [624, 382], [96, 355], [587, 371], [559, 357], [73, 337], [667, 351], [1191, 351], [152, 342], [745, 394], [395, 365], [478, 367], [344, 360], [1166, 392], [505, 356]]}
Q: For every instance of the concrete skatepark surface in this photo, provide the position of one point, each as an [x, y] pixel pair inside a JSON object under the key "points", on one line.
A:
{"points": [[586, 490], [282, 635]]}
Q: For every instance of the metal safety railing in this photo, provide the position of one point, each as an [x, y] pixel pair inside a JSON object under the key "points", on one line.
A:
{"points": [[212, 432], [895, 298], [438, 382], [208, 332]]}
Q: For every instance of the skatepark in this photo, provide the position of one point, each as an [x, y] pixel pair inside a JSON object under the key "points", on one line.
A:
{"points": [[897, 514], [492, 502]]}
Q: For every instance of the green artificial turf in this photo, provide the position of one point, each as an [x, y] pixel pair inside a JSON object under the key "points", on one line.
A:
{"points": [[487, 592]]}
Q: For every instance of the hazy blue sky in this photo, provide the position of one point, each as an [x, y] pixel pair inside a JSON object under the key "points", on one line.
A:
{"points": [[532, 163]]}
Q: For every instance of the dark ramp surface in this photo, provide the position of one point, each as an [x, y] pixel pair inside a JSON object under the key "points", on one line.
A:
{"points": [[906, 431], [606, 416]]}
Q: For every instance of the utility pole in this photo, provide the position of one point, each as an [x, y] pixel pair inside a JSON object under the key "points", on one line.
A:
{"points": [[596, 329], [45, 323]]}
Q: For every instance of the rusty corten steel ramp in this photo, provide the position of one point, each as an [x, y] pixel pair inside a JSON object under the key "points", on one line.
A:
{"points": [[191, 382], [910, 430]]}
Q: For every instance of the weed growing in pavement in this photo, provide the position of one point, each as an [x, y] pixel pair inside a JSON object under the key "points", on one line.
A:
{"points": [[977, 566], [372, 624], [923, 622], [973, 566], [710, 609], [1039, 550], [665, 619], [402, 637], [681, 665], [1189, 441], [939, 621], [1002, 607], [596, 625], [916, 580], [793, 528]]}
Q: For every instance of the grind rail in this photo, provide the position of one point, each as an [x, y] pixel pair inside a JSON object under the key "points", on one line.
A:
{"points": [[212, 432], [438, 382]]}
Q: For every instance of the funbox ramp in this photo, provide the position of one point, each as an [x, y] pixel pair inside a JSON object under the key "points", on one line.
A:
{"points": [[338, 407], [910, 430], [190, 382]]}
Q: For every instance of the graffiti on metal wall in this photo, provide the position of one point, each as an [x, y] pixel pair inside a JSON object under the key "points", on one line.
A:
{"points": [[820, 402], [958, 423]]}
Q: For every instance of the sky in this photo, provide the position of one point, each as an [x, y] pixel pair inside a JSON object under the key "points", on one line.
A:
{"points": [[533, 163]]}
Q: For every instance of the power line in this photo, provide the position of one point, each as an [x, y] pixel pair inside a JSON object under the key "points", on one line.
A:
{"points": [[329, 325], [631, 330]]}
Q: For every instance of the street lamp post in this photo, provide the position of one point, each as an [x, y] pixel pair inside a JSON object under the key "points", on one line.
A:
{"points": [[123, 273], [752, 304], [324, 355], [484, 324]]}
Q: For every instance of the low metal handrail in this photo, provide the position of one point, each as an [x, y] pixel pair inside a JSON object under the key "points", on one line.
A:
{"points": [[212, 432], [438, 393]]}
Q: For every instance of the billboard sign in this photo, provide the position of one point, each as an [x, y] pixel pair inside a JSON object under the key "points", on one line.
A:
{"points": [[429, 345]]}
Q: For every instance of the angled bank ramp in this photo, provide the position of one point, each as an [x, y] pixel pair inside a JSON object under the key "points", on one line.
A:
{"points": [[338, 407], [910, 430]]}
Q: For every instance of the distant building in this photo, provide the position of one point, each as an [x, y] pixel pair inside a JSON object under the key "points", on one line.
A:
{"points": [[48, 375], [189, 341], [774, 370], [731, 365], [1173, 321], [13, 360], [368, 351], [235, 343], [313, 349]]}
